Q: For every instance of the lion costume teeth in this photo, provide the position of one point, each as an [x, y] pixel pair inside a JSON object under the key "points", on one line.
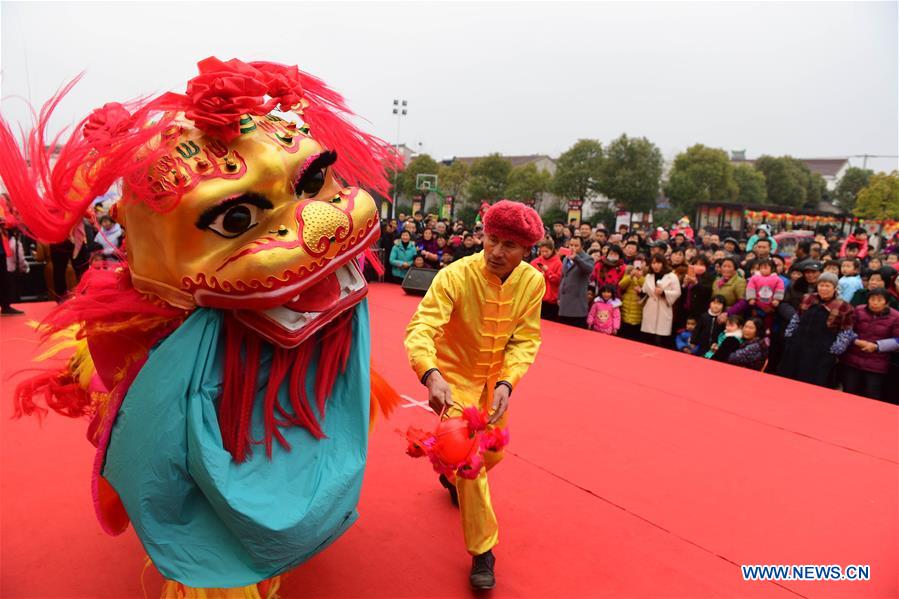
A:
{"points": [[235, 324]]}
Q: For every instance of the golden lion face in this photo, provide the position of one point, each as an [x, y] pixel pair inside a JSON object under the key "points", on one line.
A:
{"points": [[262, 226]]}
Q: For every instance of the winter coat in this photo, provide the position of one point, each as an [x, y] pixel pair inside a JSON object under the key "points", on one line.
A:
{"points": [[847, 287], [728, 343], [683, 341], [605, 317], [816, 335], [862, 252], [605, 273], [398, 255], [706, 331], [552, 275], [631, 309], [698, 295], [573, 288], [751, 354], [658, 312], [733, 290], [872, 327], [764, 290]]}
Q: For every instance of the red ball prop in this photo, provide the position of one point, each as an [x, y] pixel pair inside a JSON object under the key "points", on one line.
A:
{"points": [[455, 443]]}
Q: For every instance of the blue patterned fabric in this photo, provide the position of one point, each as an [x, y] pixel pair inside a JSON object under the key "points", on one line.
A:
{"points": [[205, 520]]}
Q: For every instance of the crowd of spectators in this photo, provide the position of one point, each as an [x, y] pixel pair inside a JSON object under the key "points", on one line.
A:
{"points": [[827, 315]]}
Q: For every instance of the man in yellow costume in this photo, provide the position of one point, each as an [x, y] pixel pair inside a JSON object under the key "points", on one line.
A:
{"points": [[473, 337]]}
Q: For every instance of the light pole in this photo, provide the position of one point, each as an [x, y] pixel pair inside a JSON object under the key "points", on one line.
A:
{"points": [[399, 109]]}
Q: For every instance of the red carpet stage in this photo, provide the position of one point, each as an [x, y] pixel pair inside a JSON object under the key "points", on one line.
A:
{"points": [[632, 472]]}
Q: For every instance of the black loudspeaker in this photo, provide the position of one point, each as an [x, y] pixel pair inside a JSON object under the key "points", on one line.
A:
{"points": [[417, 280]]}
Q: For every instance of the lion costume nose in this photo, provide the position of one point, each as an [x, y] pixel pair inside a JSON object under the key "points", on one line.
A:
{"points": [[321, 223]]}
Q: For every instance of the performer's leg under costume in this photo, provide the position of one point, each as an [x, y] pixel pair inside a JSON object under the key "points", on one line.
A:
{"points": [[479, 525]]}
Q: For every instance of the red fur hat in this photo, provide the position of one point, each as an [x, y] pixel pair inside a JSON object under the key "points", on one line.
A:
{"points": [[514, 221]]}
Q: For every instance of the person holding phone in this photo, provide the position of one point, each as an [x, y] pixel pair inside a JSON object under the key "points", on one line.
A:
{"points": [[577, 267]]}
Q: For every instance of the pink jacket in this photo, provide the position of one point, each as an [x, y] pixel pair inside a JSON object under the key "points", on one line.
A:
{"points": [[862, 252], [605, 317], [765, 290]]}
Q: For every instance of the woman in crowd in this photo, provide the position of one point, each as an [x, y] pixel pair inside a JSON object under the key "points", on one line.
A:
{"points": [[428, 248], [753, 353], [549, 263], [863, 367], [817, 334], [401, 256], [876, 279], [729, 284], [661, 289], [697, 287], [631, 310]]}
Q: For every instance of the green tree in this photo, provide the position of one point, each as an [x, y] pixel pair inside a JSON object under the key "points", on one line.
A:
{"points": [[578, 170], [879, 200], [398, 176], [629, 173], [554, 214], [452, 179], [421, 164], [488, 179], [751, 185], [467, 214], [789, 182], [526, 182], [852, 182], [701, 174]]}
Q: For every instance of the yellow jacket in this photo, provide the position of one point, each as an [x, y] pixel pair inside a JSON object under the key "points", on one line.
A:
{"points": [[476, 329]]}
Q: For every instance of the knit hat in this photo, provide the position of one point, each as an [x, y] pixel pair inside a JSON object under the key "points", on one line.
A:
{"points": [[514, 221], [828, 277]]}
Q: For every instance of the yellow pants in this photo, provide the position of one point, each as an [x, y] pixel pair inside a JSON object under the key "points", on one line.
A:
{"points": [[479, 526]]}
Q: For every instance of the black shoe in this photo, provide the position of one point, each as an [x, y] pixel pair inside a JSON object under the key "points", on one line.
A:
{"points": [[9, 310], [454, 495], [481, 576]]}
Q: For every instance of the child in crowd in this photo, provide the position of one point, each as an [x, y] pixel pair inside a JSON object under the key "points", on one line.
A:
{"points": [[729, 340], [683, 340], [419, 262], [850, 281], [833, 267], [765, 291], [875, 263], [707, 326], [853, 251], [605, 312]]}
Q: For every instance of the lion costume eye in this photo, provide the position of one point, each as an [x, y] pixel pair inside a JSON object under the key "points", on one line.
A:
{"points": [[234, 217], [314, 176]]}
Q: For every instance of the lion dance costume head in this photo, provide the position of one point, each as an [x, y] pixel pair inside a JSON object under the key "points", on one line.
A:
{"points": [[235, 317]]}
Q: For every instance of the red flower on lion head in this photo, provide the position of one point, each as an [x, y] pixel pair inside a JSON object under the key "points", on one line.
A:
{"points": [[225, 91]]}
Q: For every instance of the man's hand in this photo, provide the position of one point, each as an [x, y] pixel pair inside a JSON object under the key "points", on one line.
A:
{"points": [[500, 403], [439, 393]]}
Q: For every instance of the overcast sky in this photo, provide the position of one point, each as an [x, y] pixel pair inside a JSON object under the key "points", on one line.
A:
{"points": [[807, 79]]}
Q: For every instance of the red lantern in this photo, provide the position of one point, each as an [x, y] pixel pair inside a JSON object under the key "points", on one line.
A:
{"points": [[455, 441]]}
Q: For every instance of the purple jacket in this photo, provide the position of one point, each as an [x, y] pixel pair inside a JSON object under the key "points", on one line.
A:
{"points": [[872, 327]]}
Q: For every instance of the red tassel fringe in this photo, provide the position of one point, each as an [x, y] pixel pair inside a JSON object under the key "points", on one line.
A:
{"points": [[240, 382]]}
